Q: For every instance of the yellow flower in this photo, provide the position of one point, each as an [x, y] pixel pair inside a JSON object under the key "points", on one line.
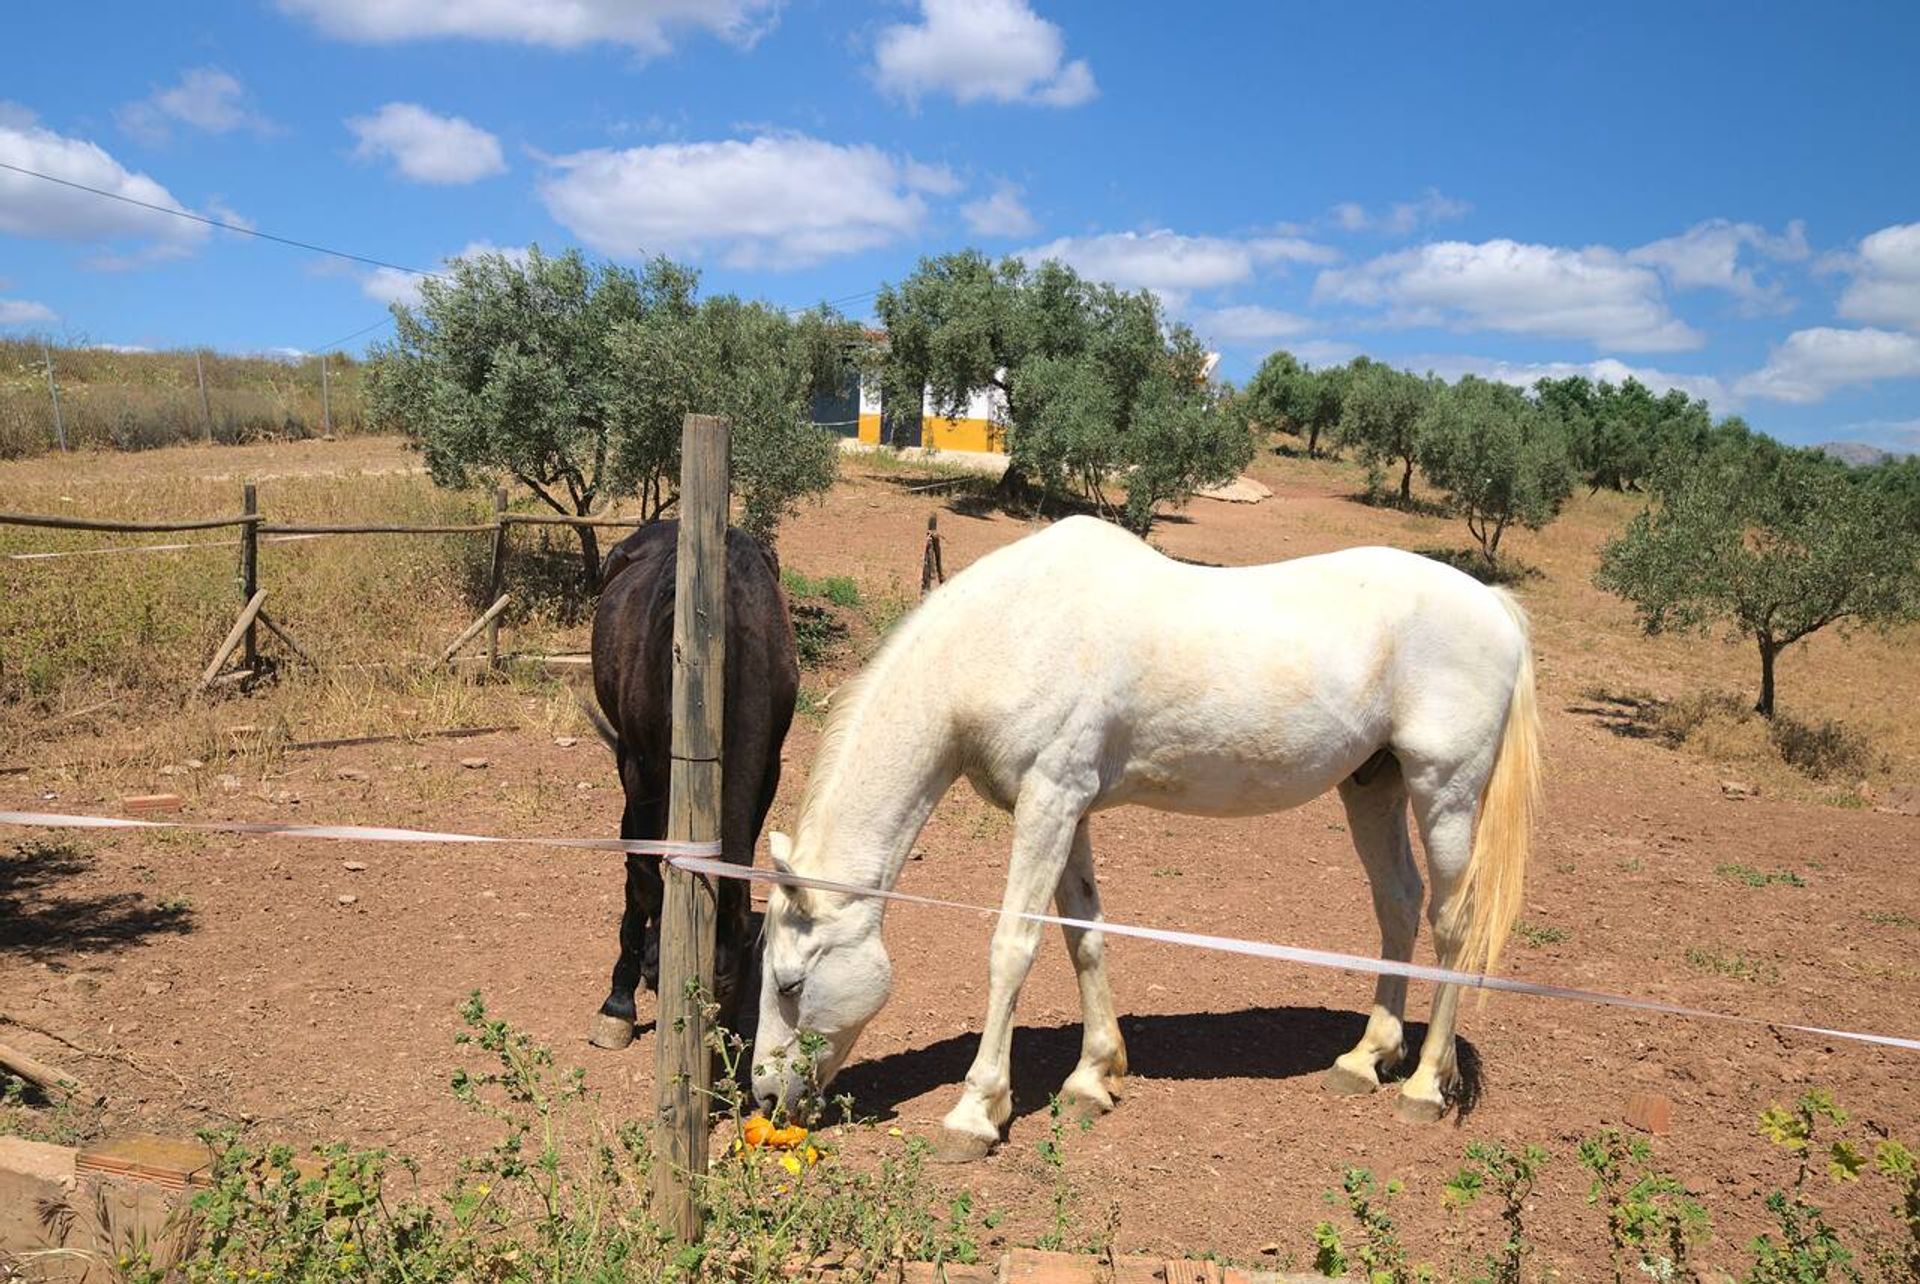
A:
{"points": [[895, 1132], [811, 1155], [791, 1164], [483, 1189]]}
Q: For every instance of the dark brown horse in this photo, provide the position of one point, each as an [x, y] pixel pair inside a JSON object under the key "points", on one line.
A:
{"points": [[633, 679]]}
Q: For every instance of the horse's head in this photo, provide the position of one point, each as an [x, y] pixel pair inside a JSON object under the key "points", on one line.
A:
{"points": [[824, 977]]}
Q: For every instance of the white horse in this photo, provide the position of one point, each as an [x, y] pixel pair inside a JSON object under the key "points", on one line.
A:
{"points": [[1079, 669]]}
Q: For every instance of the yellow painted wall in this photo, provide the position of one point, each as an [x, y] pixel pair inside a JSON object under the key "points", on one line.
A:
{"points": [[870, 429], [963, 434]]}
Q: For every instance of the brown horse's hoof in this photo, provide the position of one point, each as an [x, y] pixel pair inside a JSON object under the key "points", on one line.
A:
{"points": [[961, 1147], [611, 1032], [1418, 1110], [1342, 1082]]}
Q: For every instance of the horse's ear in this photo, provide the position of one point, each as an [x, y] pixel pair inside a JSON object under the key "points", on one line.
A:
{"points": [[782, 849]]}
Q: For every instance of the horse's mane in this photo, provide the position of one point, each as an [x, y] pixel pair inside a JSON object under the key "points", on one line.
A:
{"points": [[848, 701]]}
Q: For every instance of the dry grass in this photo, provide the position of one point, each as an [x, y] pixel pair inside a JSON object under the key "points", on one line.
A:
{"points": [[140, 400]]}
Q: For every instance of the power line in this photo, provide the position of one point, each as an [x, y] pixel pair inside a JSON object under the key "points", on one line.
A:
{"points": [[219, 223], [365, 329]]}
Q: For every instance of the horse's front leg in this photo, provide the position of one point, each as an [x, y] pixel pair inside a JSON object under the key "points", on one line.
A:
{"points": [[1103, 1053], [1043, 826]]}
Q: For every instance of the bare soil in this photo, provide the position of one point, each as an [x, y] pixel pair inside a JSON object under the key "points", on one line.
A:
{"points": [[219, 979]]}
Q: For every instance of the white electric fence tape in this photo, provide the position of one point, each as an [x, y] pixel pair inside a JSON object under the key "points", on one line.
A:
{"points": [[696, 858]]}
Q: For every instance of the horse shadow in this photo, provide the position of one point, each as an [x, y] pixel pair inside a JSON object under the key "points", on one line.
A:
{"points": [[1253, 1043]]}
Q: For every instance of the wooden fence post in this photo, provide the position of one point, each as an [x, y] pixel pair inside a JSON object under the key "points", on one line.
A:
{"points": [[684, 1067], [497, 576], [326, 402], [933, 570], [250, 565]]}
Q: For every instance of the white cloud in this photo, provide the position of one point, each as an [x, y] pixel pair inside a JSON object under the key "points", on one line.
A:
{"points": [[647, 27], [1249, 324], [1707, 256], [1524, 374], [392, 285], [34, 207], [425, 147], [119, 347], [1001, 214], [1170, 264], [777, 201], [934, 180], [1886, 278], [1545, 290], [1809, 364], [999, 50], [1400, 218], [25, 312], [206, 98]]}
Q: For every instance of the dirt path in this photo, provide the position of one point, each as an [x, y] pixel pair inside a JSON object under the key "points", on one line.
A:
{"points": [[246, 990]]}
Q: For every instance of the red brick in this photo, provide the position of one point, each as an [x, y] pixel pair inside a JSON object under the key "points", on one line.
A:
{"points": [[1193, 1273], [1034, 1266], [1650, 1112], [1139, 1270]]}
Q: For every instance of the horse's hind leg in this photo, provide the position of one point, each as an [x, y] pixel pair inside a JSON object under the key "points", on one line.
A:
{"points": [[1446, 815], [1103, 1053], [1377, 815]]}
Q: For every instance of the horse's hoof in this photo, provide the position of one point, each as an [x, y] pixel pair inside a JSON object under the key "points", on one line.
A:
{"points": [[1342, 1082], [1419, 1110], [962, 1147], [611, 1032]]}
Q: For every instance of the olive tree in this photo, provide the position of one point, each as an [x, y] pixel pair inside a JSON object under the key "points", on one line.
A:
{"points": [[572, 378], [1307, 403], [1098, 386], [1501, 458], [1382, 413], [1777, 543]]}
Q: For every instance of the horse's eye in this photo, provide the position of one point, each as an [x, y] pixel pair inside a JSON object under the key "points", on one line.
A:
{"points": [[791, 989]]}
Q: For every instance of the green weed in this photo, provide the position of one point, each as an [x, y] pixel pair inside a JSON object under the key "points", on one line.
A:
{"points": [[1537, 934], [1737, 873]]}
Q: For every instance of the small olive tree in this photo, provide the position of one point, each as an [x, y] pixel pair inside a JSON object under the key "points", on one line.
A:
{"points": [[1501, 458], [1777, 543], [1099, 387], [1382, 413], [1287, 395]]}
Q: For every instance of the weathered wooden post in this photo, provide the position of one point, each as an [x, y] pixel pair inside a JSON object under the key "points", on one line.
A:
{"points": [[498, 574], [326, 401], [684, 1066], [933, 570], [250, 565]]}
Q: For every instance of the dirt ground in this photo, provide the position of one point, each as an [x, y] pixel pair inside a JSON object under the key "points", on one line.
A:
{"points": [[225, 979]]}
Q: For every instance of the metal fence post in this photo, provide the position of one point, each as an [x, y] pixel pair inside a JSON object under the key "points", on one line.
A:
{"points": [[53, 390]]}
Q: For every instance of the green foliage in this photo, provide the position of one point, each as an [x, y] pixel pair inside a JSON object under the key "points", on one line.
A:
{"points": [[1097, 384], [1285, 395], [1653, 1221], [573, 378], [1500, 457], [1381, 1256], [1382, 416], [1538, 934], [1736, 872], [1808, 1249], [1619, 433], [1777, 543], [1509, 1175]]}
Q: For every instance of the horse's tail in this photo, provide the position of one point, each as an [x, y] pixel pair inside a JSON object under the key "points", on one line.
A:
{"points": [[601, 726], [1503, 830]]}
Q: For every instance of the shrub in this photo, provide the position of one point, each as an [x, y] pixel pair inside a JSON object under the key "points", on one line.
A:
{"points": [[1823, 749]]}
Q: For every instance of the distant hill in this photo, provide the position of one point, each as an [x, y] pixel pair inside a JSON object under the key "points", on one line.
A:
{"points": [[1858, 453]]}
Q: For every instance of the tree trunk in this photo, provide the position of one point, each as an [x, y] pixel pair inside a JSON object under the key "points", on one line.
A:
{"points": [[589, 557], [1768, 649], [1406, 484]]}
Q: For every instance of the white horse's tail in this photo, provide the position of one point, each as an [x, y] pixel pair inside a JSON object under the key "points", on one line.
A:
{"points": [[1503, 830]]}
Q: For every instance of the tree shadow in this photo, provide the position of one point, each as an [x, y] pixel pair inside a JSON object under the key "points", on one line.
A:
{"points": [[44, 921], [1629, 716], [1508, 570], [1415, 505], [1253, 1043]]}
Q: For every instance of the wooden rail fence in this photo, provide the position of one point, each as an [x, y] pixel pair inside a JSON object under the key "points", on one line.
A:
{"points": [[253, 527]]}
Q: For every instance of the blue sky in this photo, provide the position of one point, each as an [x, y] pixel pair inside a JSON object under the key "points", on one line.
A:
{"points": [[1718, 197]]}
